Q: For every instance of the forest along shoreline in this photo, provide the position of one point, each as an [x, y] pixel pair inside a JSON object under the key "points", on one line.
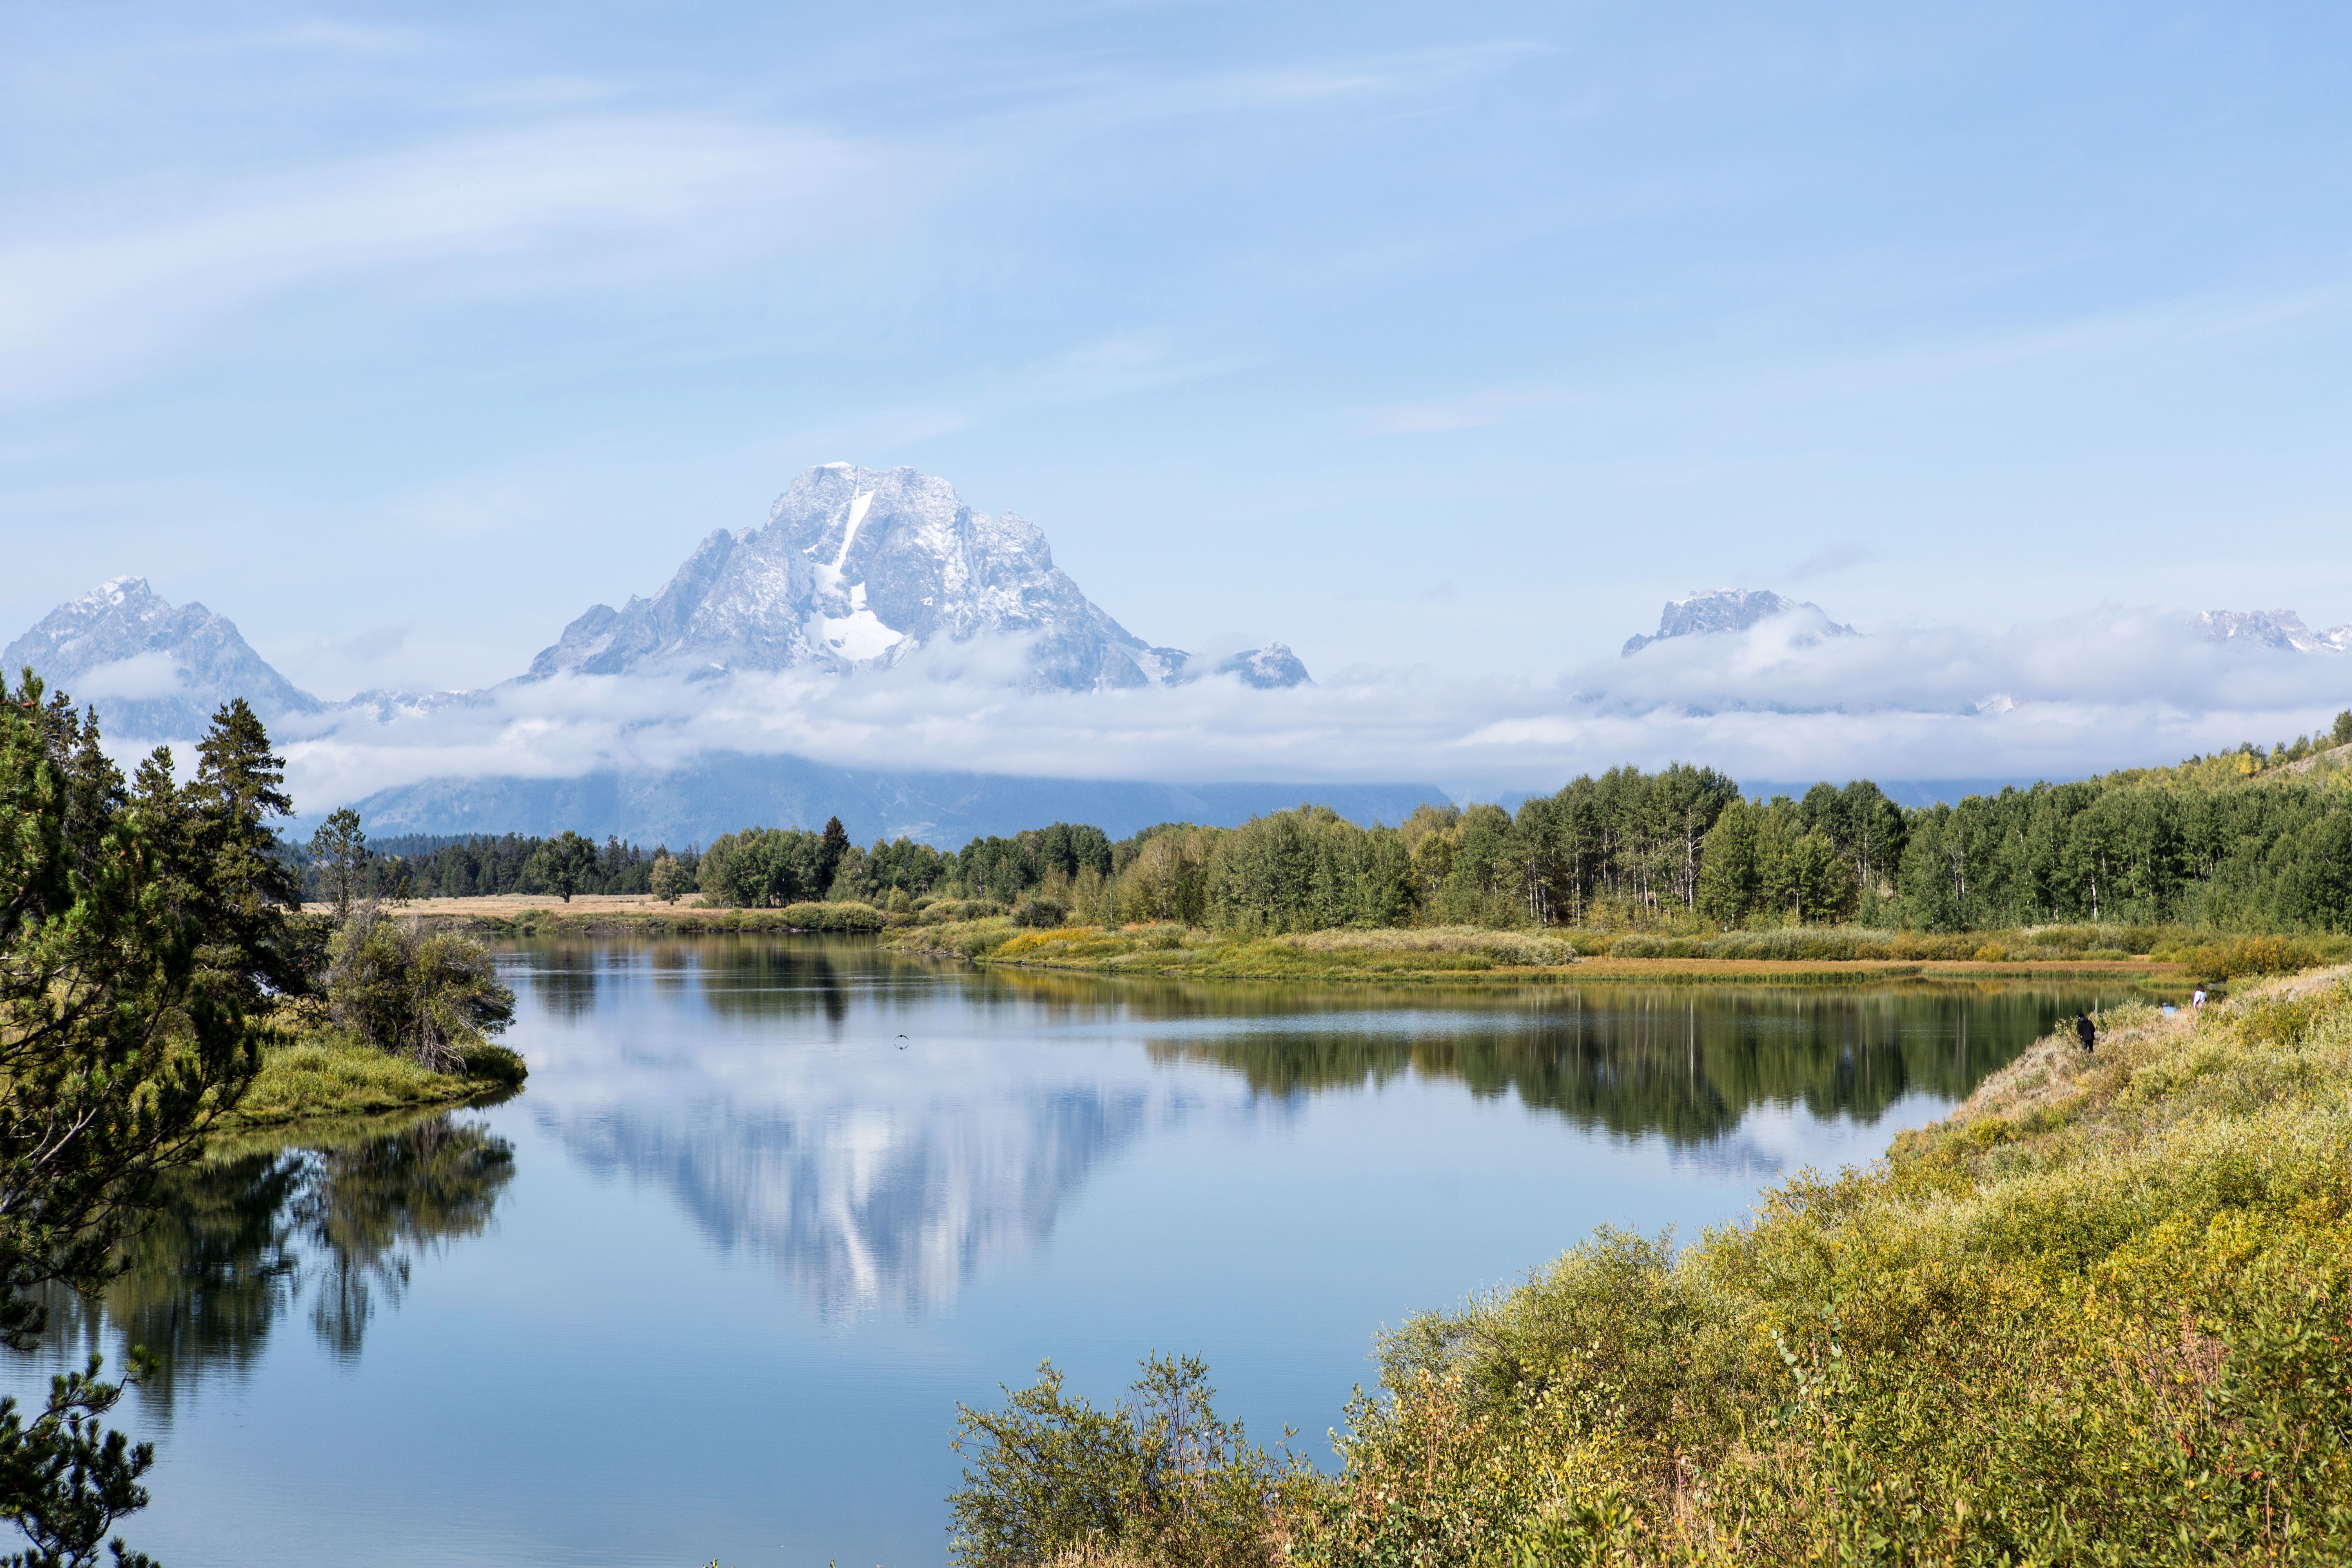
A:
{"points": [[2219, 868]]}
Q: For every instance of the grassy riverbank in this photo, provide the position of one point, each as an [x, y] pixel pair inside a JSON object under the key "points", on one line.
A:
{"points": [[317, 1074], [2101, 1314], [1469, 956], [631, 914]]}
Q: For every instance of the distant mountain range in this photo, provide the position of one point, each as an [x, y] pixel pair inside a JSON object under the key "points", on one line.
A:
{"points": [[854, 570], [1720, 610], [722, 792], [2273, 628]]}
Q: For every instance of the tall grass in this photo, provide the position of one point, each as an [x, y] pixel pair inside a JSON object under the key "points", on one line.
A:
{"points": [[333, 1073]]}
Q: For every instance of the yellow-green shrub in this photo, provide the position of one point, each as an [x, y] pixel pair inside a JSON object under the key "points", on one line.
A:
{"points": [[2104, 1315]]}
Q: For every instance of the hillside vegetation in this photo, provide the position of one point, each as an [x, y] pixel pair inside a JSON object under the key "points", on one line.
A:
{"points": [[2103, 1314]]}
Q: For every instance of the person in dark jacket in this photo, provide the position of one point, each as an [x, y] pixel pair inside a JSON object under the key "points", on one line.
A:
{"points": [[2087, 1031]]}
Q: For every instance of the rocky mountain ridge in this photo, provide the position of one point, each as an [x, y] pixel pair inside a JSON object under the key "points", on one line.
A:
{"points": [[156, 670], [1715, 610], [856, 569], [1720, 610], [2273, 628]]}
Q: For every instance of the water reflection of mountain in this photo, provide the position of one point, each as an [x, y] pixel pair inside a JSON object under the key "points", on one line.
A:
{"points": [[866, 1204], [874, 1181], [763, 1084], [241, 1240]]}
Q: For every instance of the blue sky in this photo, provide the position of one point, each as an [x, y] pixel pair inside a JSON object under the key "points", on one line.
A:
{"points": [[1455, 336]]}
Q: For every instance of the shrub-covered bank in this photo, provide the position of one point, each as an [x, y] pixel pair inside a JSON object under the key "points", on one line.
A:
{"points": [[834, 918], [1811, 953], [2101, 1315]]}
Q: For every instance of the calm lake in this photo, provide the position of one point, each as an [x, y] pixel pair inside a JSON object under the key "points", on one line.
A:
{"points": [[712, 1285]]}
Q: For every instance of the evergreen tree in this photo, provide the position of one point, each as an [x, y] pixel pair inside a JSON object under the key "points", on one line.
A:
{"points": [[835, 843], [338, 850], [136, 934]]}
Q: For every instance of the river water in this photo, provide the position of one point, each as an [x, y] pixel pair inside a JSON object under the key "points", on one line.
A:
{"points": [[713, 1284]]}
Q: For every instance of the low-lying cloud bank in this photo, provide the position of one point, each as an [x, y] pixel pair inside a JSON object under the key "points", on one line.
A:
{"points": [[2116, 688]]}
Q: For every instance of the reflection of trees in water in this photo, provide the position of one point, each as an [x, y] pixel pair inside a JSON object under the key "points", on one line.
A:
{"points": [[744, 977], [751, 977], [1686, 1063], [561, 976], [237, 1240]]}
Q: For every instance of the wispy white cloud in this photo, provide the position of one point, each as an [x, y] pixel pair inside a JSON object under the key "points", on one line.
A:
{"points": [[337, 37], [1111, 366], [73, 310], [139, 677], [1836, 556]]}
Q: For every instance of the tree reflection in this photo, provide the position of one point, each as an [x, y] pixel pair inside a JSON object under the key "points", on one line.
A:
{"points": [[239, 1239], [1682, 1063]]}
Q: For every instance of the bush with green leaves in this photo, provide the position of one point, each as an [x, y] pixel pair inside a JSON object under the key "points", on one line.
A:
{"points": [[838, 917], [433, 997], [1040, 913], [1159, 1476]]}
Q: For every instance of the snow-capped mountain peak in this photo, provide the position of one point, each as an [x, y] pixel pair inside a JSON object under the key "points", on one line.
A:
{"points": [[1730, 610], [2272, 628], [156, 671], [856, 568]]}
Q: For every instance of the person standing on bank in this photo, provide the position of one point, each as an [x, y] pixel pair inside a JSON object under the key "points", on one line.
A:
{"points": [[2197, 1003], [2087, 1031]]}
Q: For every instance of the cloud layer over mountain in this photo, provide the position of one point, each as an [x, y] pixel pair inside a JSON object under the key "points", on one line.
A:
{"points": [[2116, 688]]}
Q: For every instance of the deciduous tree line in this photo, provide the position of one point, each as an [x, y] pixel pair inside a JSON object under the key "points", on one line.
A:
{"points": [[1679, 846]]}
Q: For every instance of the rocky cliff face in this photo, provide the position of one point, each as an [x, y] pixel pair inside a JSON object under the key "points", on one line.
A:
{"points": [[154, 671], [1731, 610], [856, 569]]}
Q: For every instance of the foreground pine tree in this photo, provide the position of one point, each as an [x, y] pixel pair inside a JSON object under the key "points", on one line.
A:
{"points": [[141, 934]]}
